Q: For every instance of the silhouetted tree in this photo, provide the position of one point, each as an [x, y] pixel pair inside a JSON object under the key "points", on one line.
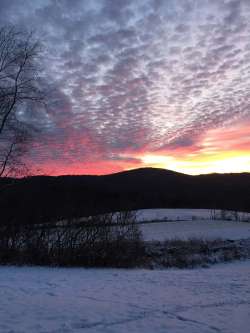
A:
{"points": [[19, 88]]}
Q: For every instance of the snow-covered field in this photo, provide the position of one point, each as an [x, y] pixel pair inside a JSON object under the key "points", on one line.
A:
{"points": [[172, 214], [50, 300], [206, 229], [189, 223], [57, 300], [186, 214]]}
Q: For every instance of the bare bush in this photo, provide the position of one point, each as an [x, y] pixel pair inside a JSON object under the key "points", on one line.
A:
{"points": [[111, 240], [192, 252]]}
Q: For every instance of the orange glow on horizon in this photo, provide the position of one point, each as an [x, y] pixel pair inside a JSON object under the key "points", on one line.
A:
{"points": [[221, 150], [227, 162]]}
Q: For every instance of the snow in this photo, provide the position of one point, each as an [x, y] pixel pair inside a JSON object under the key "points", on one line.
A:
{"points": [[173, 214], [186, 214], [205, 229], [53, 300], [189, 223]]}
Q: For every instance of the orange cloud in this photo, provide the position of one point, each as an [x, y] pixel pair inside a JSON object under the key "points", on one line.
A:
{"points": [[225, 149]]}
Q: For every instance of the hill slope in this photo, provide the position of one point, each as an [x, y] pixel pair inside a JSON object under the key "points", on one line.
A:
{"points": [[43, 198]]}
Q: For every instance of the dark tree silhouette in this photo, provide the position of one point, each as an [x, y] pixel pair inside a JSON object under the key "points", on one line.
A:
{"points": [[19, 89]]}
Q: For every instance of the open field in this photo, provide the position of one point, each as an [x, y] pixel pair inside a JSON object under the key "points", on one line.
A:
{"points": [[188, 214], [71, 300], [51, 300], [206, 229], [190, 223]]}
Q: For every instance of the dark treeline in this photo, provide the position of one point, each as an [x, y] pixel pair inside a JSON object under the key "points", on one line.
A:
{"points": [[43, 199]]}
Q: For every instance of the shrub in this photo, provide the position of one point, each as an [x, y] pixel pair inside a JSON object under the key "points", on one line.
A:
{"points": [[111, 240], [193, 252]]}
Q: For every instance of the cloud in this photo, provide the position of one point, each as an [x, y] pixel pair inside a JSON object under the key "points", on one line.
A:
{"points": [[130, 76]]}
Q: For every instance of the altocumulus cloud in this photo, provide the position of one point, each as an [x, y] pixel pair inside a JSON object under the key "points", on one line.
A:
{"points": [[136, 76]]}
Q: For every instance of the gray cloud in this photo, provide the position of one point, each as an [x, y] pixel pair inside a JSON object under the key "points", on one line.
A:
{"points": [[134, 74]]}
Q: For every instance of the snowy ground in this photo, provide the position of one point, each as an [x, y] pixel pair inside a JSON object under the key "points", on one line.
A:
{"points": [[206, 229], [47, 300], [186, 214], [189, 223]]}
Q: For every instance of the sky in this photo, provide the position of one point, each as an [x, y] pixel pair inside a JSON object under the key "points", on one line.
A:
{"points": [[139, 83]]}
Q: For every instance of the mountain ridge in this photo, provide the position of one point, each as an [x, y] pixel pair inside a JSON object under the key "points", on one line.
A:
{"points": [[40, 199]]}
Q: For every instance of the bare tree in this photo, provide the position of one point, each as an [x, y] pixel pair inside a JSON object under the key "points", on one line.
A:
{"points": [[19, 89], [12, 148]]}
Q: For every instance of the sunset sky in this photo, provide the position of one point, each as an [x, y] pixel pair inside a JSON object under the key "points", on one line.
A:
{"points": [[136, 83]]}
